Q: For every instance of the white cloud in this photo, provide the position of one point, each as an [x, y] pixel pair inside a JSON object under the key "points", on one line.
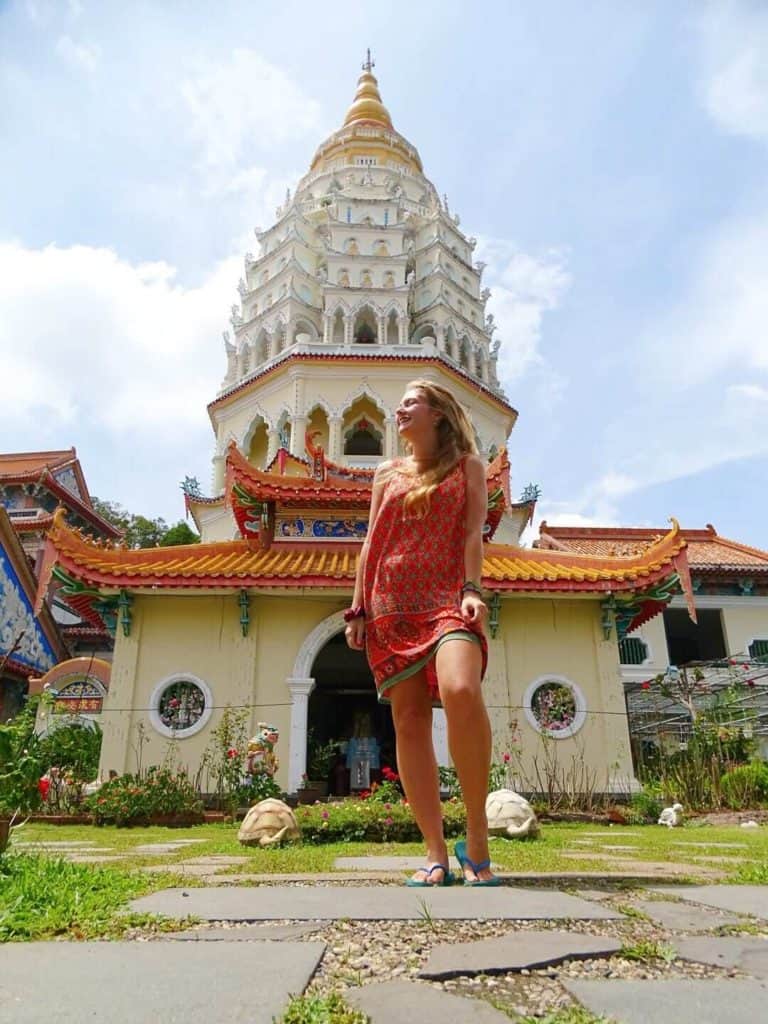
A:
{"points": [[734, 84], [243, 104], [523, 289], [90, 336], [78, 55]]}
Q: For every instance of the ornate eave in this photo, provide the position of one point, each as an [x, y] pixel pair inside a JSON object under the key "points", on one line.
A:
{"points": [[350, 357]]}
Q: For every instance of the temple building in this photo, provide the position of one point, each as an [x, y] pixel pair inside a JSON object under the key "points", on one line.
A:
{"points": [[364, 282], [32, 486]]}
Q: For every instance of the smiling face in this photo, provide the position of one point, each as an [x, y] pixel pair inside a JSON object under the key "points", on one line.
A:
{"points": [[416, 419]]}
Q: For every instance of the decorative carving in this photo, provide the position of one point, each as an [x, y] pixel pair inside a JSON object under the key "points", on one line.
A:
{"points": [[241, 287]]}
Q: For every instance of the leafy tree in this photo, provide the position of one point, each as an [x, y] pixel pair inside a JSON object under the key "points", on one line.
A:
{"points": [[140, 532]]}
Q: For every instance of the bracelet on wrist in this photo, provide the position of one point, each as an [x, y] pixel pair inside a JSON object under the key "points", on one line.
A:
{"points": [[358, 612], [469, 586]]}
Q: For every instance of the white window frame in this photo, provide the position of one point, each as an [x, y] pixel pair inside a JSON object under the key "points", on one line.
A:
{"points": [[579, 700], [154, 706]]}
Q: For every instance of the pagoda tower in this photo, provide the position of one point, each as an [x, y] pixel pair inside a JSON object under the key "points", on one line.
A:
{"points": [[364, 282]]}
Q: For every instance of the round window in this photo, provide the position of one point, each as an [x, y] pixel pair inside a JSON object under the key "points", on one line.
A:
{"points": [[555, 706], [180, 705]]}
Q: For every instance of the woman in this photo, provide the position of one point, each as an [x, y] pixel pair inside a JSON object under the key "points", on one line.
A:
{"points": [[418, 611]]}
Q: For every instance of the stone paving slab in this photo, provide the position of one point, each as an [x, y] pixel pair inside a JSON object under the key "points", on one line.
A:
{"points": [[95, 859], [193, 870], [524, 951], [388, 863], [53, 844], [659, 868], [748, 953], [684, 917], [714, 846], [244, 933], [370, 903], [217, 860], [740, 899], [403, 1002], [678, 1001], [158, 848], [140, 983]]}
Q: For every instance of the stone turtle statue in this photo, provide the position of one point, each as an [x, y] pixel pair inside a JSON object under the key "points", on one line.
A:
{"points": [[267, 823], [510, 815]]}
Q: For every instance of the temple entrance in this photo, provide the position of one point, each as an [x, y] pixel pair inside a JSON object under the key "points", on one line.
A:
{"points": [[350, 735]]}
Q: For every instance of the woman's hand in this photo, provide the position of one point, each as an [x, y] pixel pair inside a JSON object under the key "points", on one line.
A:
{"points": [[355, 634], [474, 610]]}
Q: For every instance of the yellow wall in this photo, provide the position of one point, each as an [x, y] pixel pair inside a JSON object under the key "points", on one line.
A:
{"points": [[742, 625], [563, 637], [201, 635]]}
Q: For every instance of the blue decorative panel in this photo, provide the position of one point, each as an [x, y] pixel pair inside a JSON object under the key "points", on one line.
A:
{"points": [[17, 620]]}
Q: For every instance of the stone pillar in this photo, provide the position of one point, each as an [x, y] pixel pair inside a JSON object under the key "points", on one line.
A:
{"points": [[273, 443], [402, 330], [440, 338], [327, 329], [390, 438], [298, 435], [484, 366], [334, 438], [219, 469], [382, 330], [300, 690], [348, 325]]}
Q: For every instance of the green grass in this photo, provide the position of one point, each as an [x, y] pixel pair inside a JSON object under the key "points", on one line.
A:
{"points": [[544, 855], [568, 1015], [330, 1009], [647, 951], [44, 897]]}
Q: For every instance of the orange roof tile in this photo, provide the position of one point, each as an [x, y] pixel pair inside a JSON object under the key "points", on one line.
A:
{"points": [[24, 463], [707, 550], [234, 563]]}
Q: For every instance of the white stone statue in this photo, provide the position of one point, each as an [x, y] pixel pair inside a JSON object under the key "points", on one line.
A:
{"points": [[510, 815], [672, 816], [267, 823]]}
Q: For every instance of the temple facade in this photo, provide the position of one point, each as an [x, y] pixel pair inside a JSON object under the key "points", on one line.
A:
{"points": [[364, 282]]}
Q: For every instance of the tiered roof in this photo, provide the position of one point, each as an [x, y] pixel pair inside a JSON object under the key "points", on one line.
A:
{"points": [[708, 552], [637, 586]]}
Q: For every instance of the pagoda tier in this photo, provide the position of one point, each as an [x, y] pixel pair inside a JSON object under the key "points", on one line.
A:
{"points": [[318, 500], [96, 579]]}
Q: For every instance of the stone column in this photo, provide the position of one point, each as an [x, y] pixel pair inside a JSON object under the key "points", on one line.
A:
{"points": [[300, 690], [298, 435], [402, 330], [382, 330], [390, 438], [327, 329], [219, 468], [484, 365], [348, 325], [440, 338], [273, 443], [334, 438]]}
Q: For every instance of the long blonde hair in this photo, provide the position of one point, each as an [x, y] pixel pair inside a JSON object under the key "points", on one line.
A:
{"points": [[455, 438]]}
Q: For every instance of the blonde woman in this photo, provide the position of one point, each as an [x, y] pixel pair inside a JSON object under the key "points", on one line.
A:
{"points": [[418, 612]]}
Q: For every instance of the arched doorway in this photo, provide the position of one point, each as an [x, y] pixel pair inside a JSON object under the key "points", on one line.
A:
{"points": [[343, 707]]}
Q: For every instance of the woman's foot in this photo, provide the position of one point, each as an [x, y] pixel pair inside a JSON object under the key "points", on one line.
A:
{"points": [[435, 871], [475, 864]]}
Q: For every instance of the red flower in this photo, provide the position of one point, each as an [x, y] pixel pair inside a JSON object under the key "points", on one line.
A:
{"points": [[645, 686], [231, 753], [750, 682], [745, 667], [506, 759]]}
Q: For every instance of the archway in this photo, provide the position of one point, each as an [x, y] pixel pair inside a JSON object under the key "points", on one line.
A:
{"points": [[343, 707]]}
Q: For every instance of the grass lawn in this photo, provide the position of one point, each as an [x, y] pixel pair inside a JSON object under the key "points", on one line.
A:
{"points": [[653, 843], [43, 896]]}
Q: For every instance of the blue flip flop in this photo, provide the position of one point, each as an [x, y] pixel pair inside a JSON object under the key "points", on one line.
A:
{"points": [[460, 849], [448, 879]]}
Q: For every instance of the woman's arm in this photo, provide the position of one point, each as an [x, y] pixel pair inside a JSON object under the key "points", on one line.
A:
{"points": [[355, 631], [472, 606]]}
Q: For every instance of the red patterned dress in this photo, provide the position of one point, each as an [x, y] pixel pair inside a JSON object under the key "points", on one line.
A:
{"points": [[414, 571]]}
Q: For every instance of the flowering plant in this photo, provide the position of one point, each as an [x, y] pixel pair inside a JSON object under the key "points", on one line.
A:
{"points": [[136, 799], [554, 706]]}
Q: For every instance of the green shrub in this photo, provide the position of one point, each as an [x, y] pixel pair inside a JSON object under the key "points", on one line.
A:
{"points": [[745, 785], [136, 799], [643, 807], [329, 1009], [371, 821]]}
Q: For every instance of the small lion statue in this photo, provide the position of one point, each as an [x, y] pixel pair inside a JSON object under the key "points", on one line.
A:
{"points": [[510, 815], [260, 756], [267, 823]]}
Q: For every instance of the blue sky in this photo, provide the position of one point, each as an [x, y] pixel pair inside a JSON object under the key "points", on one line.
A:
{"points": [[610, 157]]}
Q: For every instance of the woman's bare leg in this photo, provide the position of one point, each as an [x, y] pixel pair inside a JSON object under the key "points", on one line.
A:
{"points": [[459, 664], [417, 765]]}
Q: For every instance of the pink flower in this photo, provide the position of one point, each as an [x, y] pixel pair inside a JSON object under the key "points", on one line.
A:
{"points": [[325, 814], [506, 759], [387, 821]]}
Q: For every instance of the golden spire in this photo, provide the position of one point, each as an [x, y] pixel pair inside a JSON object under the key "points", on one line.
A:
{"points": [[367, 105]]}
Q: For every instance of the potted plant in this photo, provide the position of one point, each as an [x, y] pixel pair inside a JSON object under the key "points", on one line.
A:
{"points": [[320, 759]]}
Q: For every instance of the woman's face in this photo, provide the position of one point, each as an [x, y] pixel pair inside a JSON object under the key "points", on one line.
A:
{"points": [[414, 416]]}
